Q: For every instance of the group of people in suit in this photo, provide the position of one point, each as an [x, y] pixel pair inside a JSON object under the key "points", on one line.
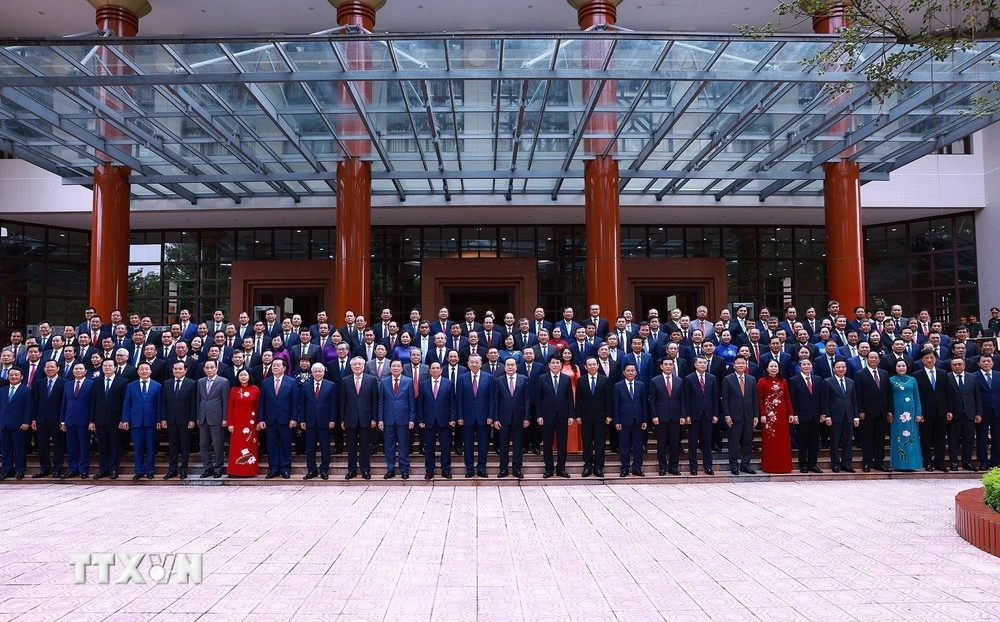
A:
{"points": [[516, 385]]}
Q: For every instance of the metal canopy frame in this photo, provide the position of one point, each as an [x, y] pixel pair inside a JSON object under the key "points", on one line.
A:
{"points": [[472, 113]]}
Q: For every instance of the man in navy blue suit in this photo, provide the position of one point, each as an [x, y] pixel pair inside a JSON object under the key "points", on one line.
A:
{"points": [[106, 418], [512, 414], [397, 414], [631, 409], [318, 408], [475, 406], [277, 413], [804, 391], [436, 417], [554, 412], [742, 412], [74, 418], [666, 408], [701, 412], [594, 411], [16, 409], [141, 416], [839, 410], [599, 323], [642, 361], [48, 396], [989, 389], [358, 414]]}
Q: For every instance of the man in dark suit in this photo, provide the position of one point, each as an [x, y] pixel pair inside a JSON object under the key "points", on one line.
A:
{"points": [[804, 392], [436, 418], [472, 347], [839, 410], [74, 418], [213, 407], [666, 408], [539, 322], [874, 405], [108, 397], [823, 364], [898, 353], [304, 349], [475, 405], [701, 411], [594, 411], [47, 413], [16, 411], [470, 324], [599, 323], [935, 404], [524, 338], [397, 415], [965, 411], [318, 415], [742, 412], [784, 359], [989, 428], [554, 412], [642, 361], [141, 414], [179, 412], [358, 414], [581, 348], [277, 410], [630, 405], [442, 324], [512, 414]]}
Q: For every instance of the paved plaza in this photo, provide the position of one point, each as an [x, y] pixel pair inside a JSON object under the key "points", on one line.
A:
{"points": [[874, 550]]}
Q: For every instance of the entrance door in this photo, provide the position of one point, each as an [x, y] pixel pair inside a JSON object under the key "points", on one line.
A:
{"points": [[498, 299], [663, 299], [306, 301]]}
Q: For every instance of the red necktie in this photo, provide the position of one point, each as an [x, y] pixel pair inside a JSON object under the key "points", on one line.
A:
{"points": [[31, 374], [395, 386], [702, 380], [670, 386], [475, 384], [317, 390], [743, 389], [877, 383], [809, 384], [76, 391]]}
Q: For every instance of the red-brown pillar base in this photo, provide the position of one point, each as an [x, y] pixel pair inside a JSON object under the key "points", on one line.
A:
{"points": [[352, 276], [109, 239], [845, 256]]}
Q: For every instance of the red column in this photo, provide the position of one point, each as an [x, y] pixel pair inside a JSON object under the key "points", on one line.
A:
{"points": [[109, 232], [845, 253], [352, 274]]}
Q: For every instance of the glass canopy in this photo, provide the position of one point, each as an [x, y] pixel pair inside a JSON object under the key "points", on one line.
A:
{"points": [[473, 113]]}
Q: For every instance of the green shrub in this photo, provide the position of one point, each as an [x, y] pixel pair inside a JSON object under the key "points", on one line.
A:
{"points": [[992, 483]]}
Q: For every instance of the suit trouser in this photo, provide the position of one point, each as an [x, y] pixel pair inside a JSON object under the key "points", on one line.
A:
{"points": [[507, 435], [873, 431], [595, 434], [144, 441], [51, 436], [14, 446], [109, 451], [458, 438], [533, 435], [319, 433], [668, 439], [983, 440], [474, 434], [78, 448], [808, 439], [279, 448], [359, 438], [432, 433], [210, 443], [397, 438], [338, 438], [962, 434], [700, 437], [842, 443], [557, 429], [630, 445], [740, 437], [932, 432], [178, 445]]}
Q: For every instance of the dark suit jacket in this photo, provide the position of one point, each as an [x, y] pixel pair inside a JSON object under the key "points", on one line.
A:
{"points": [[542, 357], [48, 406], [581, 352], [602, 326], [888, 363], [837, 405], [76, 409], [785, 362], [278, 409], [990, 394], [821, 365], [179, 407], [630, 410], [597, 406], [806, 406], [312, 353], [318, 411], [740, 406], [511, 410], [399, 407], [142, 411], [465, 353], [357, 409], [967, 400], [547, 325], [438, 327], [438, 411], [522, 341], [476, 326], [475, 408], [935, 401], [106, 408], [614, 371], [666, 406], [16, 410], [698, 404], [553, 405], [645, 365], [873, 400]]}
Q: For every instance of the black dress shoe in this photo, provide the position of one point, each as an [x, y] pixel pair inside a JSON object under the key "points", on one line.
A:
{"points": [[351, 475], [428, 476], [954, 466], [638, 473], [389, 475], [709, 472], [337, 450], [662, 471], [748, 470], [562, 473], [735, 471], [137, 477], [286, 475], [324, 475], [586, 473], [470, 474], [40, 474], [482, 474], [598, 472], [928, 468], [836, 469], [114, 475], [518, 474], [502, 474], [866, 468], [84, 475], [58, 474], [983, 467], [406, 475], [882, 467], [19, 475], [69, 475], [268, 476], [967, 466], [184, 474], [674, 471], [815, 470], [98, 475], [170, 475], [623, 473], [803, 469], [366, 475], [693, 471], [446, 474], [217, 473], [206, 473], [310, 475], [847, 469], [547, 475]]}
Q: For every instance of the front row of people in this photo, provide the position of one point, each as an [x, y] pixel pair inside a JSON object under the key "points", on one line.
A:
{"points": [[915, 411]]}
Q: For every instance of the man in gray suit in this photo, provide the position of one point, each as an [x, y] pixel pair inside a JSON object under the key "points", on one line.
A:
{"points": [[213, 401]]}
